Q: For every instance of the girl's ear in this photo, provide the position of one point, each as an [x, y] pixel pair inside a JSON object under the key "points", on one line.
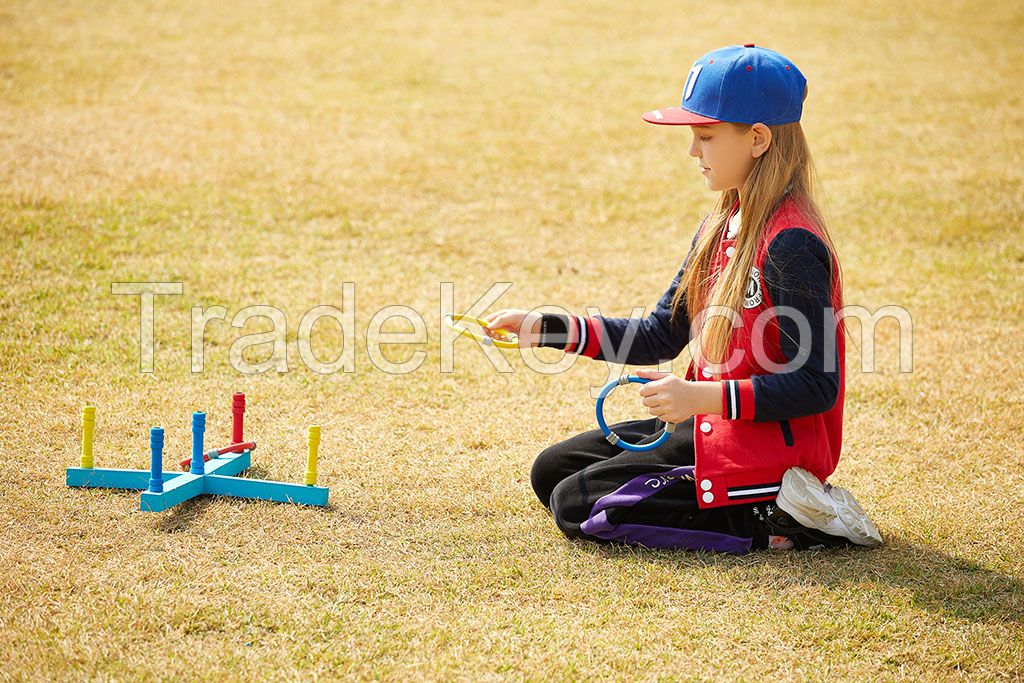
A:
{"points": [[762, 139]]}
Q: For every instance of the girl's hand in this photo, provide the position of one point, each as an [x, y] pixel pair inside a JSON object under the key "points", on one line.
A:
{"points": [[524, 323], [669, 397]]}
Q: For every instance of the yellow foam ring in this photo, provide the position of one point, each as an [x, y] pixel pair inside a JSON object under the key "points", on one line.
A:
{"points": [[88, 431], [505, 339], [313, 440]]}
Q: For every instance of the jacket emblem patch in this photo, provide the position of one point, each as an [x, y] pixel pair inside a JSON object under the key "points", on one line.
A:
{"points": [[753, 296]]}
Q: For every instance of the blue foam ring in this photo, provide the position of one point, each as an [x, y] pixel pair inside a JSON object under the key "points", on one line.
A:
{"points": [[614, 438]]}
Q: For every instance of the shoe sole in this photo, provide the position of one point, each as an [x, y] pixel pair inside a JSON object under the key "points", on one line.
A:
{"points": [[834, 512]]}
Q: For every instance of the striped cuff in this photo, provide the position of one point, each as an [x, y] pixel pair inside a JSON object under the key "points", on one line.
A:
{"points": [[588, 336], [582, 334], [738, 399], [573, 335]]}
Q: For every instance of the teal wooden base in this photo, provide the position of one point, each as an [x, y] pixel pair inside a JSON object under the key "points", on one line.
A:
{"points": [[277, 491], [218, 479], [104, 478]]}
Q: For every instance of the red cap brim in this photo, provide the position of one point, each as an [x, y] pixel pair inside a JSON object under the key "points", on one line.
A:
{"points": [[677, 116]]}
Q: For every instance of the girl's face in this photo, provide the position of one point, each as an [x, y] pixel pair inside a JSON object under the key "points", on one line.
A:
{"points": [[724, 155]]}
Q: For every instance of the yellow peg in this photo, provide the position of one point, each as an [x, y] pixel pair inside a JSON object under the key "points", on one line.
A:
{"points": [[314, 446], [88, 429]]}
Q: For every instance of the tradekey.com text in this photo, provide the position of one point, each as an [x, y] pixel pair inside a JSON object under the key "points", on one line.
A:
{"points": [[275, 340]]}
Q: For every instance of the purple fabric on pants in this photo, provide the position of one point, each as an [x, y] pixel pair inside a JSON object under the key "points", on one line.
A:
{"points": [[638, 488], [645, 486]]}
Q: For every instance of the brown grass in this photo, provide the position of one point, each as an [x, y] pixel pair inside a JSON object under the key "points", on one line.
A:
{"points": [[266, 155]]}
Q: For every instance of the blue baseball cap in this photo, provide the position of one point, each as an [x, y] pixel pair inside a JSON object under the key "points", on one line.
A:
{"points": [[740, 84]]}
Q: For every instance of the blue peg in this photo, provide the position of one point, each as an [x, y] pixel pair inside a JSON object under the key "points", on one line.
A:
{"points": [[156, 460], [198, 428]]}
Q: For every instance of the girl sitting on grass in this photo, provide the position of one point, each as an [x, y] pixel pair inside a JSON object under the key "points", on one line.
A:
{"points": [[760, 410]]}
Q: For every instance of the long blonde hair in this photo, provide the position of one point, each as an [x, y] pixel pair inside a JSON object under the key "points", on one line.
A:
{"points": [[785, 169]]}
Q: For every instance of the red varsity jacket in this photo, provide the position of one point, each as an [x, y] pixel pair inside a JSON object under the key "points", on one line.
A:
{"points": [[773, 417]]}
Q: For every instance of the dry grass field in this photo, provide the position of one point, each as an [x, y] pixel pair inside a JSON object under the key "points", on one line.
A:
{"points": [[267, 153]]}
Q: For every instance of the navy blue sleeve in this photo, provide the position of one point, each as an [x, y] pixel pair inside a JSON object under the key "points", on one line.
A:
{"points": [[798, 274], [641, 341]]}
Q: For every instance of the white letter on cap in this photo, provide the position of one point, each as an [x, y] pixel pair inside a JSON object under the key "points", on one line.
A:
{"points": [[692, 79]]}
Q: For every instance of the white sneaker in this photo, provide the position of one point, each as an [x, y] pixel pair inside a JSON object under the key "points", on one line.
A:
{"points": [[828, 508]]}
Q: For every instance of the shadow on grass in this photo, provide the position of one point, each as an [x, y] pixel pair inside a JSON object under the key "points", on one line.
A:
{"points": [[255, 472], [184, 515], [938, 582]]}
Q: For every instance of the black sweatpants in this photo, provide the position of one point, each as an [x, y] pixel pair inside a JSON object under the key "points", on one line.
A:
{"points": [[603, 493]]}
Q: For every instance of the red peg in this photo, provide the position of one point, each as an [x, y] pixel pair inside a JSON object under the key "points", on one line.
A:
{"points": [[237, 416]]}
